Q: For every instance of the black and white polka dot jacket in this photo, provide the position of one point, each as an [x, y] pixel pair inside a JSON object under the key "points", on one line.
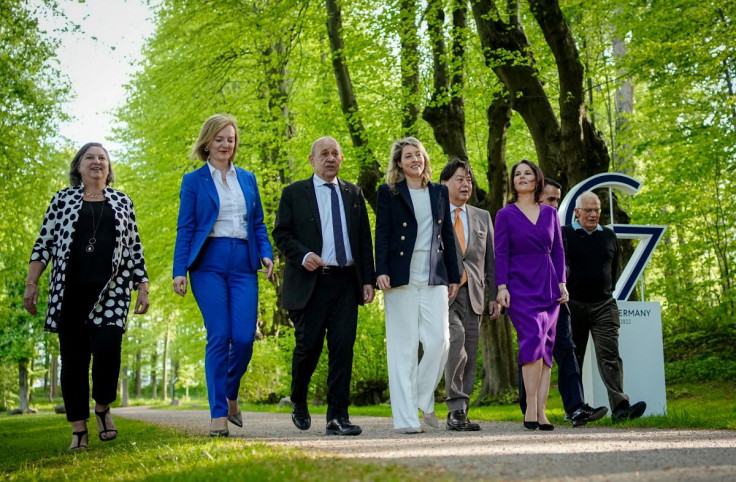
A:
{"points": [[128, 265]]}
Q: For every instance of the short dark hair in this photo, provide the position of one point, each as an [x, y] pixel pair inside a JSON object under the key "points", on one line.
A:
{"points": [[539, 177], [75, 178], [552, 182], [452, 166]]}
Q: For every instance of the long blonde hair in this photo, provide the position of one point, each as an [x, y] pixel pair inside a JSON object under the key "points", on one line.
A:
{"points": [[394, 173], [214, 124]]}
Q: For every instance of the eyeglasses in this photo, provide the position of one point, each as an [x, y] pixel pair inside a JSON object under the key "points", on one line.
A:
{"points": [[590, 210]]}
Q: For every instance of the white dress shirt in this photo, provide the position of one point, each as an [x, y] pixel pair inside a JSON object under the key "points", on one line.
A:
{"points": [[463, 217], [231, 220], [324, 202]]}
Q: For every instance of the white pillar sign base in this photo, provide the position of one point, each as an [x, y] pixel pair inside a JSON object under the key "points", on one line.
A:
{"points": [[640, 348]]}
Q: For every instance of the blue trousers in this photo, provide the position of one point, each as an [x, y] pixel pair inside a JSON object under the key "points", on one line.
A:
{"points": [[225, 286]]}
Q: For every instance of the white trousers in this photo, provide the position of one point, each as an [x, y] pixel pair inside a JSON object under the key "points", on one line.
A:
{"points": [[415, 313]]}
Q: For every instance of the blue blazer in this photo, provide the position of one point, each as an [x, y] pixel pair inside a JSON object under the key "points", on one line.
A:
{"points": [[198, 212], [396, 234]]}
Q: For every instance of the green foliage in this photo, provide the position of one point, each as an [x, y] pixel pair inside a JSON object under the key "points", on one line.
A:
{"points": [[701, 369]]}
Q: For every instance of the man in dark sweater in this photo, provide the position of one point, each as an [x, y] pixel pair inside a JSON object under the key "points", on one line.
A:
{"points": [[591, 254]]}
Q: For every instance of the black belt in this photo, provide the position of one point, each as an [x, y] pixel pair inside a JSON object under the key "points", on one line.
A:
{"points": [[331, 270]]}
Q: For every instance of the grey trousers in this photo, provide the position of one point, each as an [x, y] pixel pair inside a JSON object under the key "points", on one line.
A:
{"points": [[601, 320], [462, 357]]}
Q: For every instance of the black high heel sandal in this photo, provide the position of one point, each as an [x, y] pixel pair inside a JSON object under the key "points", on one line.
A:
{"points": [[79, 445], [101, 415]]}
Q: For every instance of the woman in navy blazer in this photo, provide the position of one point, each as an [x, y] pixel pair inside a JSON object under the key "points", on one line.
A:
{"points": [[222, 242], [417, 270]]}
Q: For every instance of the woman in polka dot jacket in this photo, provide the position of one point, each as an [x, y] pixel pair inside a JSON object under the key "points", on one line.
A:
{"points": [[90, 236]]}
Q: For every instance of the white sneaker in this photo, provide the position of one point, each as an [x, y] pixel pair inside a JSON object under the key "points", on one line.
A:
{"points": [[431, 419], [410, 430]]}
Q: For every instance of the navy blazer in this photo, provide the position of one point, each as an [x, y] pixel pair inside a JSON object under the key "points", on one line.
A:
{"points": [[396, 234], [198, 210], [298, 231]]}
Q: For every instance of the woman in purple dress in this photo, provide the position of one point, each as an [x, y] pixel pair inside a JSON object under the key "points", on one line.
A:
{"points": [[530, 272]]}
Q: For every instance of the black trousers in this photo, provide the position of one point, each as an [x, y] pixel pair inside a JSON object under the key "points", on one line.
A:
{"points": [[601, 321], [79, 342], [569, 381], [331, 312]]}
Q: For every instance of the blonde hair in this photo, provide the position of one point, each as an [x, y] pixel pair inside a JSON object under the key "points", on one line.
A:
{"points": [[209, 130], [394, 173]]}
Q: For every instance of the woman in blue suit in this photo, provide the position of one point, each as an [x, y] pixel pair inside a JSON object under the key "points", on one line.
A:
{"points": [[222, 241]]}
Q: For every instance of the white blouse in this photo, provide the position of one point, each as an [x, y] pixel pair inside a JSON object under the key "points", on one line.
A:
{"points": [[231, 220], [423, 214]]}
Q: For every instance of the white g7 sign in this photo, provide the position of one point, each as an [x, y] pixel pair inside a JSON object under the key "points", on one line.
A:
{"points": [[648, 236]]}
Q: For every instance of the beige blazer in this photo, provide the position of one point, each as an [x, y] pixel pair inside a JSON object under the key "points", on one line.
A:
{"points": [[478, 260]]}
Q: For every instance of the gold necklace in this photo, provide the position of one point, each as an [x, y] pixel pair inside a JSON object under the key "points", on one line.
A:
{"points": [[94, 196]]}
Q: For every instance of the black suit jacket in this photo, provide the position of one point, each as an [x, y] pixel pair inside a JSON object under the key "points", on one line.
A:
{"points": [[396, 234], [298, 231]]}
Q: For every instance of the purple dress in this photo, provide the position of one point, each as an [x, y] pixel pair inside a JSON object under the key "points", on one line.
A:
{"points": [[530, 261]]}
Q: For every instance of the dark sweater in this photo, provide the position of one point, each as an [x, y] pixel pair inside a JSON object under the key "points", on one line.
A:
{"points": [[592, 263]]}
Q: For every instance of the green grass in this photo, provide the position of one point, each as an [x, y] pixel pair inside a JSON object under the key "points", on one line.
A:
{"points": [[33, 447]]}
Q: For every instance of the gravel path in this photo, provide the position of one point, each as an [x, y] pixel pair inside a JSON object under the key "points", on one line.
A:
{"points": [[500, 451]]}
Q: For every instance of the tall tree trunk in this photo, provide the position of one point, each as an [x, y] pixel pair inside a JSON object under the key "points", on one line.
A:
{"points": [[124, 387], [274, 147], [409, 67], [23, 386], [54, 389], [174, 378], [446, 110], [624, 102], [518, 74], [46, 366], [138, 369], [497, 341], [370, 171], [582, 148], [154, 367], [499, 120], [167, 340]]}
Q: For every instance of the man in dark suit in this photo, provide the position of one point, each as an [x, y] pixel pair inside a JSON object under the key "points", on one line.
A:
{"points": [[322, 229], [474, 248]]}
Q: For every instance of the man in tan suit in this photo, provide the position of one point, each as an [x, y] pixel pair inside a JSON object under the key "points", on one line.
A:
{"points": [[474, 247]]}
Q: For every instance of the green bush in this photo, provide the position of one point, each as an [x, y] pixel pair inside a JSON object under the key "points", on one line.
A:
{"points": [[708, 368]]}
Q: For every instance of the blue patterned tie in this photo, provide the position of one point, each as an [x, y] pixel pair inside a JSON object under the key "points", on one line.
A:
{"points": [[342, 258]]}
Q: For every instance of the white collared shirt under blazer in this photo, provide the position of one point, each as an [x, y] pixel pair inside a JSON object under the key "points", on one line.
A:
{"points": [[231, 219], [128, 266], [324, 203]]}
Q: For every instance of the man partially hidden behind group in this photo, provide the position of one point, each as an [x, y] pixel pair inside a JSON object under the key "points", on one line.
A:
{"points": [[591, 253], [322, 229], [474, 247]]}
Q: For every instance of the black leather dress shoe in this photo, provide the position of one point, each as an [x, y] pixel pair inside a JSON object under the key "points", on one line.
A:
{"points": [[457, 420], [300, 417], [586, 414], [342, 426], [625, 411]]}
